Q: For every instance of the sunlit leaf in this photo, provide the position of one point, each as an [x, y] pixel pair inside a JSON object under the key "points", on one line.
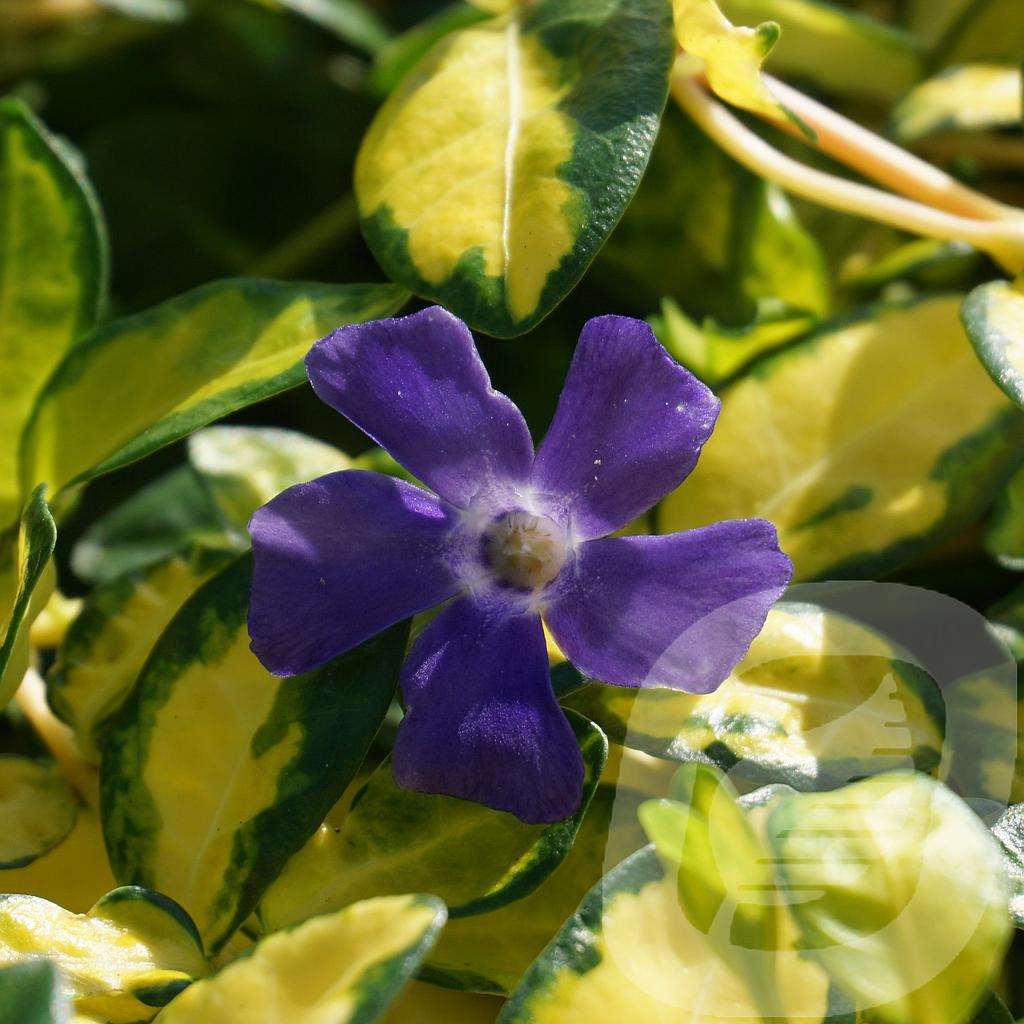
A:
{"points": [[630, 954], [24, 558], [37, 809], [867, 443], [147, 380], [489, 952], [868, 871], [52, 274], [108, 643], [132, 953], [818, 700], [495, 171], [74, 874], [722, 875], [968, 98], [214, 772], [342, 968], [731, 55], [394, 840]]}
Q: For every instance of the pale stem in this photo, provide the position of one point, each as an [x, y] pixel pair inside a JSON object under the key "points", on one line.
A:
{"points": [[83, 777], [877, 158], [1003, 240]]}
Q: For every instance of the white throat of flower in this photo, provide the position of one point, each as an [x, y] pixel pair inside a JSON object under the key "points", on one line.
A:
{"points": [[526, 551]]}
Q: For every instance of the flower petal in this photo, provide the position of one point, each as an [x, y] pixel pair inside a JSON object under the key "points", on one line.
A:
{"points": [[677, 610], [417, 386], [628, 429], [483, 723], [342, 558]]}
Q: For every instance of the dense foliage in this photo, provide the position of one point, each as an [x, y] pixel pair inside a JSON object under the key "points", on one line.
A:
{"points": [[820, 215]]}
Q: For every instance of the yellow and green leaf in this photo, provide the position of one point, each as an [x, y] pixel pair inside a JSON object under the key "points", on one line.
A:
{"points": [[868, 870], [495, 171], [831, 46], [342, 968], [74, 874], [108, 643], [869, 442], [489, 952], [994, 317], [818, 700], [132, 953], [37, 809], [394, 840], [150, 379], [25, 554], [215, 772], [703, 836], [973, 97], [630, 953], [731, 55], [53, 271], [30, 993]]}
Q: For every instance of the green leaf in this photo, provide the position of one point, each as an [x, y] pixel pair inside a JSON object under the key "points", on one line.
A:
{"points": [[987, 30], [24, 558], [30, 994], [869, 442], [540, 122], [993, 1011], [150, 379], [111, 638], [205, 505], [128, 956], [342, 968], [924, 264], [818, 700], [630, 954], [214, 771], [994, 317], [37, 809], [706, 230], [869, 869], [832, 46], [53, 271], [489, 952], [174, 516], [1009, 830], [394, 840], [973, 97]]}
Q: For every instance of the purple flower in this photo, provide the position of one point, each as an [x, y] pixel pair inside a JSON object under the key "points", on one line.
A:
{"points": [[507, 538]]}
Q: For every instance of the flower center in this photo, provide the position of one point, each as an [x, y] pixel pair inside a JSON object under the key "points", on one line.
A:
{"points": [[526, 551]]}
